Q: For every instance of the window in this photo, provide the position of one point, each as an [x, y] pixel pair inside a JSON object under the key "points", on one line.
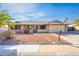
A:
{"points": [[42, 27], [17, 26]]}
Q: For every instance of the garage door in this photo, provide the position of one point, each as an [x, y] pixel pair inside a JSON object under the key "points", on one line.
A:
{"points": [[56, 28]]}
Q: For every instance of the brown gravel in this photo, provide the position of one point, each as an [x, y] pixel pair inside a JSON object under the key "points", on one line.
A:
{"points": [[37, 38]]}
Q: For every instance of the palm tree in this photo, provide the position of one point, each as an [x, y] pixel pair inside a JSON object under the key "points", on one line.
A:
{"points": [[5, 19], [65, 20]]}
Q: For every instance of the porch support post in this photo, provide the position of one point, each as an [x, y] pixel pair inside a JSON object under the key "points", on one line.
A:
{"points": [[38, 26]]}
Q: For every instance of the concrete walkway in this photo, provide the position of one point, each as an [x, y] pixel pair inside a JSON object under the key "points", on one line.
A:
{"points": [[28, 50]]}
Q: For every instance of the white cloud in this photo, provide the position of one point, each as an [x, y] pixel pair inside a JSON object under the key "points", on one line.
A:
{"points": [[19, 8], [21, 17], [23, 11], [39, 14], [36, 14], [30, 14]]}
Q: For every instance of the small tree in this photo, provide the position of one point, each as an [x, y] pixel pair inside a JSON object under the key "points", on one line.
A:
{"points": [[76, 24], [76, 21]]}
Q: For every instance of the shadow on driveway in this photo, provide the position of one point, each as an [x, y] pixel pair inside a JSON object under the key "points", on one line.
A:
{"points": [[5, 51]]}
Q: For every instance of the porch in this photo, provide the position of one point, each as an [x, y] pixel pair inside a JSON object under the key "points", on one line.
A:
{"points": [[31, 28]]}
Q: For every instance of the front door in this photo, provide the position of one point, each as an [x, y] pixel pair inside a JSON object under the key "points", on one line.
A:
{"points": [[32, 28]]}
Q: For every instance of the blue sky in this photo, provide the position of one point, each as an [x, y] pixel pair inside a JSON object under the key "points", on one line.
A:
{"points": [[42, 11]]}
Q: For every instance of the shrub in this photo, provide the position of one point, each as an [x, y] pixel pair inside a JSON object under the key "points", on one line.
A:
{"points": [[1, 36], [7, 34]]}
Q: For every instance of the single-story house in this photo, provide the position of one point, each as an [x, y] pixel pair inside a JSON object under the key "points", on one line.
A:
{"points": [[41, 26]]}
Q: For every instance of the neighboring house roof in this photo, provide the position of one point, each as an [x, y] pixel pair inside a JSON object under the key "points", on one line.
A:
{"points": [[70, 25], [56, 22], [39, 22]]}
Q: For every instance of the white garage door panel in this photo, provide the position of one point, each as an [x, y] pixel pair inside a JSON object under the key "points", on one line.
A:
{"points": [[56, 28]]}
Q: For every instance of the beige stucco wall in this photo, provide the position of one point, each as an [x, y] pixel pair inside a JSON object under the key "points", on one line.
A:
{"points": [[50, 28], [56, 28]]}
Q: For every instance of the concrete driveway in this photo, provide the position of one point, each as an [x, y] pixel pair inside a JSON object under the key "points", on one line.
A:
{"points": [[72, 37]]}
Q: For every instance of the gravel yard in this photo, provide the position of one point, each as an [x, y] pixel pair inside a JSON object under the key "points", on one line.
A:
{"points": [[34, 39]]}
